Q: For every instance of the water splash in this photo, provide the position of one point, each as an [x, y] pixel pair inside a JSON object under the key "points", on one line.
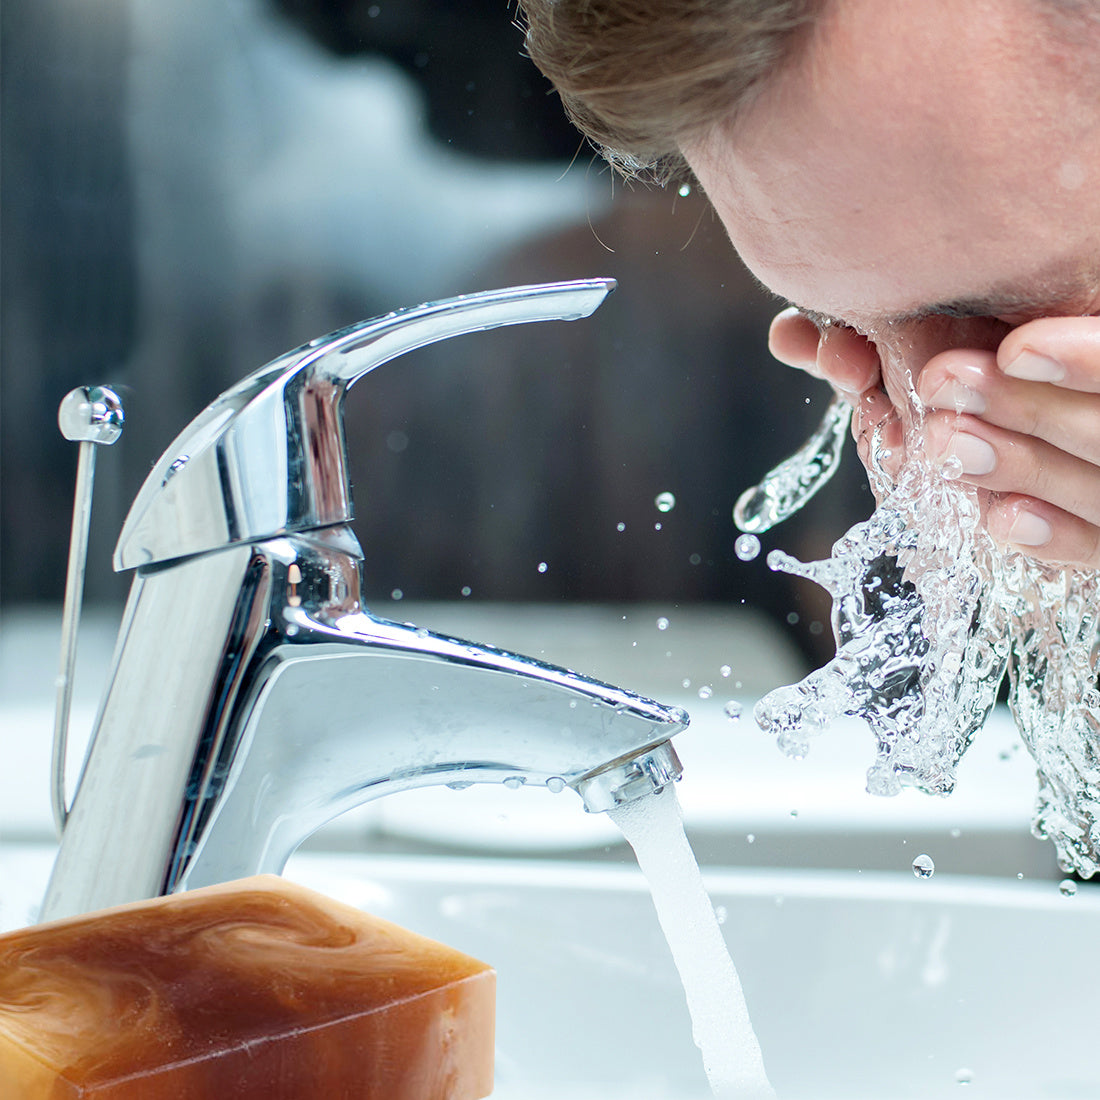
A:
{"points": [[920, 649], [928, 612], [790, 485]]}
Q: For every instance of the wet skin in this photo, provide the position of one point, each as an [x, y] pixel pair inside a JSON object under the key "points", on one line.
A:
{"points": [[924, 186]]}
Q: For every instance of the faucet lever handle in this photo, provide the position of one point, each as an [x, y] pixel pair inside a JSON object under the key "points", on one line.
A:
{"points": [[267, 457]]}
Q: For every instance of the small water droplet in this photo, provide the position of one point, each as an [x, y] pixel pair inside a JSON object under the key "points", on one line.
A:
{"points": [[721, 914], [397, 594], [747, 547], [543, 567], [422, 632], [1020, 876], [665, 502], [657, 526], [556, 784], [1067, 887], [685, 683], [459, 785], [466, 590], [732, 710], [952, 468], [706, 691], [964, 1076], [923, 867], [725, 670], [514, 782], [662, 623], [685, 190], [751, 838], [794, 813], [620, 526]]}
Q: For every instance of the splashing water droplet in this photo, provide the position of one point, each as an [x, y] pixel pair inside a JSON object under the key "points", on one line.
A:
{"points": [[685, 190], [662, 623], [747, 547], [732, 710], [543, 567], [964, 1076], [620, 526], [466, 590], [665, 502], [1067, 887], [726, 671], [952, 468], [923, 867], [706, 691]]}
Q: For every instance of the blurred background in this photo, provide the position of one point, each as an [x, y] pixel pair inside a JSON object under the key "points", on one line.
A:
{"points": [[192, 187]]}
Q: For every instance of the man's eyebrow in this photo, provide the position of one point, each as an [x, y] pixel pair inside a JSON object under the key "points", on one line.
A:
{"points": [[984, 306], [991, 306]]}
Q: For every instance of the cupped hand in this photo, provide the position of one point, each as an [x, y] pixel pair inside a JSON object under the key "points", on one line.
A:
{"points": [[1024, 422]]}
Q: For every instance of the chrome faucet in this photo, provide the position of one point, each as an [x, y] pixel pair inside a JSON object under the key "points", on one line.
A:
{"points": [[253, 697]]}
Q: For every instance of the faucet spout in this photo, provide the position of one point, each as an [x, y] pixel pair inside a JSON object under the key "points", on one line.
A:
{"points": [[217, 763]]}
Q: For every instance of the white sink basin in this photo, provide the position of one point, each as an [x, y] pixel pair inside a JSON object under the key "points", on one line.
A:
{"points": [[876, 986]]}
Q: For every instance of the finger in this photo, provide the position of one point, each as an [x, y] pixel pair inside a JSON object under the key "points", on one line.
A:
{"points": [[970, 382], [848, 360], [1042, 531], [1062, 350], [1006, 462], [793, 340]]}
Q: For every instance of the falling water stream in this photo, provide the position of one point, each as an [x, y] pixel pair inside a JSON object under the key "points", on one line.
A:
{"points": [[720, 1019]]}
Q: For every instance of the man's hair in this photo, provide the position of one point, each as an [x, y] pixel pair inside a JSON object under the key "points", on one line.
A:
{"points": [[638, 77]]}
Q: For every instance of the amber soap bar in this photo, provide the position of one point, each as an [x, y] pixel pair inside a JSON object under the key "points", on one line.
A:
{"points": [[258, 988]]}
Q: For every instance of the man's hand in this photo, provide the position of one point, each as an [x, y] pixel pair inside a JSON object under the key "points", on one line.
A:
{"points": [[1023, 421]]}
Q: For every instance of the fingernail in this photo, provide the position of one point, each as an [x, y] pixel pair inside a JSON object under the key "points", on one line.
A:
{"points": [[1032, 367], [1028, 529], [971, 455], [954, 396]]}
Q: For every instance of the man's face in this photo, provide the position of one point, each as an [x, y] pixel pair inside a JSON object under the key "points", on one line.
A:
{"points": [[923, 158]]}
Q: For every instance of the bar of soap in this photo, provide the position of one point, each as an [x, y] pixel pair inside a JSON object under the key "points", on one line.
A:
{"points": [[257, 988]]}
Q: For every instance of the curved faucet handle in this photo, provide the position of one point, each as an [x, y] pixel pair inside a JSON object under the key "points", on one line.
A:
{"points": [[267, 457]]}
